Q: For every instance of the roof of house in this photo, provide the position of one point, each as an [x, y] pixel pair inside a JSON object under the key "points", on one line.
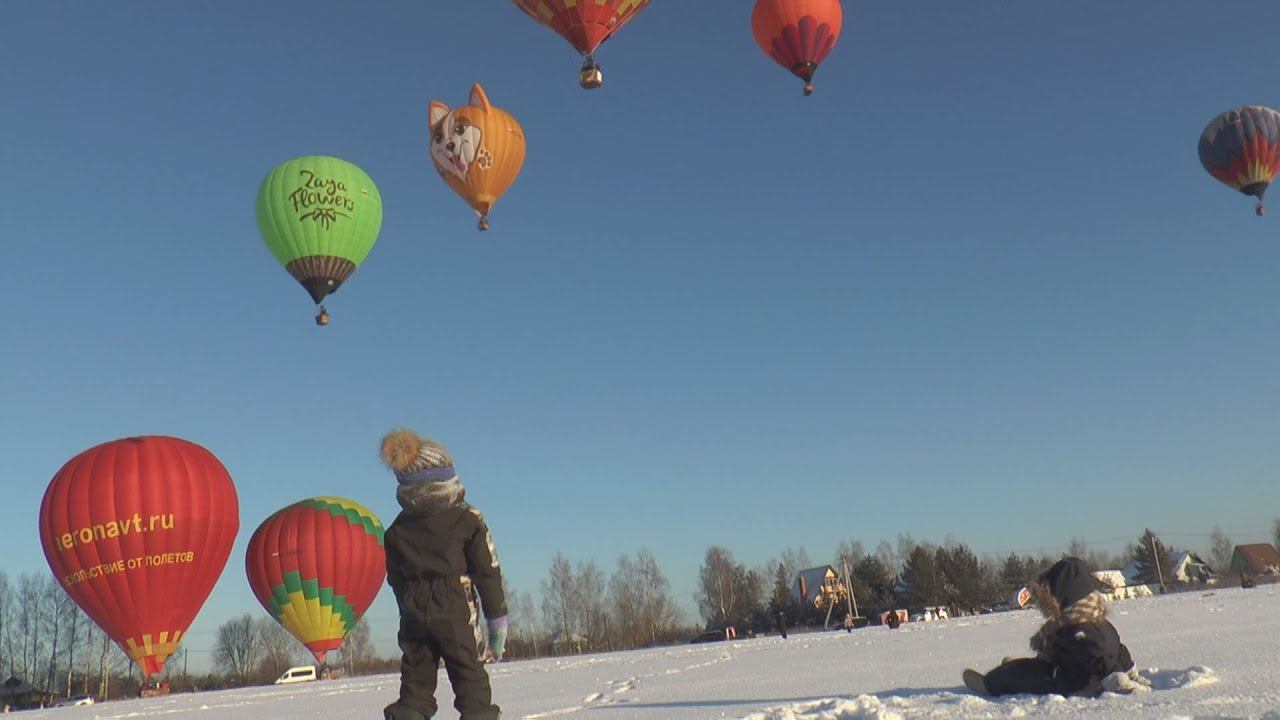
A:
{"points": [[1113, 578], [1188, 566], [1260, 557], [14, 686], [808, 582]]}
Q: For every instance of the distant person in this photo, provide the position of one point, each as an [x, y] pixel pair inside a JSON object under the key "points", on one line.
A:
{"points": [[435, 540], [1077, 650], [848, 622], [782, 624], [1246, 581]]}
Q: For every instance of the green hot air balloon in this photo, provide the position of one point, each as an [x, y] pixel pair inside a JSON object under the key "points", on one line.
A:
{"points": [[319, 216]]}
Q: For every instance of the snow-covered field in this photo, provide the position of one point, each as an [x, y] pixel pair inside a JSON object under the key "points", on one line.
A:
{"points": [[1209, 654]]}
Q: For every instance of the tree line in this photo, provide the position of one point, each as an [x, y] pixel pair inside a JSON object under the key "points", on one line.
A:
{"points": [[48, 641]]}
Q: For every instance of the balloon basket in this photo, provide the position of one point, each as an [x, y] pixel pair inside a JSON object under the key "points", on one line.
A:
{"points": [[483, 224], [1259, 210], [808, 89], [590, 77], [322, 317]]}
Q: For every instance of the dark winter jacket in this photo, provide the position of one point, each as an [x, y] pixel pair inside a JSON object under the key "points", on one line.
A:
{"points": [[1077, 639], [439, 536]]}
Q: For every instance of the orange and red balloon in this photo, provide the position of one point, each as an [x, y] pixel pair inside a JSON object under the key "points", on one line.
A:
{"points": [[797, 34]]}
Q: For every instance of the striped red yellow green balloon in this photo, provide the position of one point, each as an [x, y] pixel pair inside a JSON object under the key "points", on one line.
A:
{"points": [[316, 566]]}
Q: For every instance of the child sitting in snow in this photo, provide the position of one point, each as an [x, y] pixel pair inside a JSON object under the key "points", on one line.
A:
{"points": [[1077, 650], [436, 540]]}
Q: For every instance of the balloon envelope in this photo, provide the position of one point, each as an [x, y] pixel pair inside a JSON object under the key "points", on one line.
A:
{"points": [[478, 149], [316, 566], [797, 34], [137, 531], [1241, 148], [319, 217], [584, 24]]}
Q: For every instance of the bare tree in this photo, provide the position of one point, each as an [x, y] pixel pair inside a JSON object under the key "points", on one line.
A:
{"points": [[73, 621], [524, 624], [357, 647], [237, 649], [589, 586], [625, 599], [660, 615], [6, 627], [728, 593], [558, 598], [1078, 548], [280, 649], [795, 561], [886, 555], [716, 586], [1220, 551], [848, 554], [28, 618]]}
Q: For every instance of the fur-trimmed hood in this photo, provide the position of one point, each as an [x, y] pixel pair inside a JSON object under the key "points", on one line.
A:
{"points": [[427, 498], [1068, 593]]}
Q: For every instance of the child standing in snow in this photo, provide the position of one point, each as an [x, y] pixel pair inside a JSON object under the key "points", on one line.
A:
{"points": [[1077, 650], [436, 540]]}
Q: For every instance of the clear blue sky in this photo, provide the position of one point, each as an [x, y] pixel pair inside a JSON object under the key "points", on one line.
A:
{"points": [[976, 285]]}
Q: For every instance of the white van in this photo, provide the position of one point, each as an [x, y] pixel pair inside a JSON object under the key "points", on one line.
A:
{"points": [[302, 673]]}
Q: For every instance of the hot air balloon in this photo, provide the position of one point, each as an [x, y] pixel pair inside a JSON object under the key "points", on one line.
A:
{"points": [[137, 531], [316, 566], [319, 216], [1241, 147], [585, 25], [797, 34], [478, 149]]}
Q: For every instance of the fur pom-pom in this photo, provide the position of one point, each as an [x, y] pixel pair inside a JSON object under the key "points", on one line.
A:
{"points": [[400, 449]]}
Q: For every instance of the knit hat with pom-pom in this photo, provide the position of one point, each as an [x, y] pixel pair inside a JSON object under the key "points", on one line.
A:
{"points": [[416, 459]]}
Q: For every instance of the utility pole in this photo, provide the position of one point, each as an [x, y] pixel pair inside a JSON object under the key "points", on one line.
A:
{"points": [[848, 581], [1156, 555]]}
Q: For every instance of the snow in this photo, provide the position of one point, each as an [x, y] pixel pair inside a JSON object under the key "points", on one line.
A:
{"points": [[1209, 655]]}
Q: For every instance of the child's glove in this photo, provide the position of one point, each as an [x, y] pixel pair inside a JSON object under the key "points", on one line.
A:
{"points": [[498, 636]]}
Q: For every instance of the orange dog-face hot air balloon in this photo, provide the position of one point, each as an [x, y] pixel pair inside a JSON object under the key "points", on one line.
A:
{"points": [[797, 34], [137, 531], [478, 150], [585, 24], [316, 566]]}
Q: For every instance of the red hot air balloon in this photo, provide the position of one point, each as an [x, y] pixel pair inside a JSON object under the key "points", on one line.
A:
{"points": [[137, 531], [316, 566], [797, 34], [585, 25]]}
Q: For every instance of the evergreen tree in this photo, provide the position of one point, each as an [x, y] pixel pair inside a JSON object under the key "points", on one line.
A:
{"points": [[873, 583], [1014, 573], [962, 576], [1152, 559], [922, 583], [781, 599]]}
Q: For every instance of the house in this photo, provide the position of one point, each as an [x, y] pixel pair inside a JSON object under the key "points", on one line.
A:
{"points": [[1120, 584], [819, 587], [1189, 568], [1255, 559], [17, 694]]}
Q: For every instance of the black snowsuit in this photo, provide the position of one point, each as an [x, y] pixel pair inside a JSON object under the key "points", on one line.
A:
{"points": [[1075, 649], [429, 547]]}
